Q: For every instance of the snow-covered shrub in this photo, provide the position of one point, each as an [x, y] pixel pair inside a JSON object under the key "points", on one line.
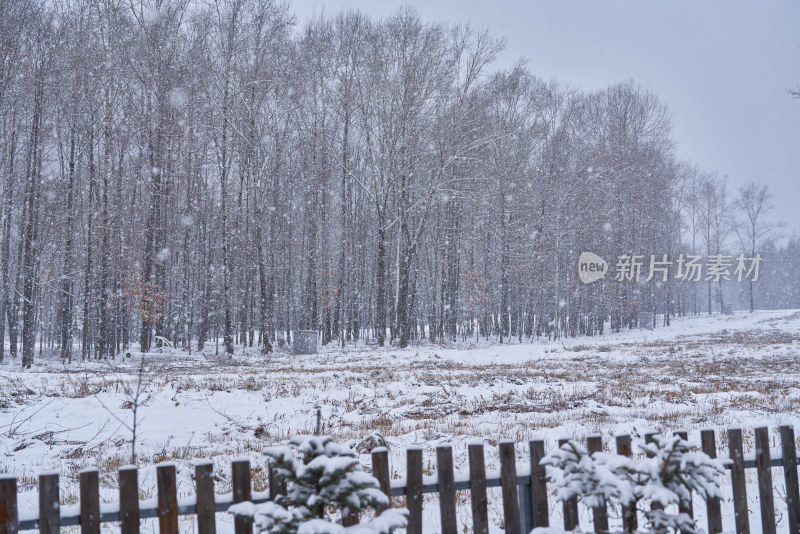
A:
{"points": [[327, 477], [666, 476]]}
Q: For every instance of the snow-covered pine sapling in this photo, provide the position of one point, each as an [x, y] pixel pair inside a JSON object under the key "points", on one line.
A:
{"points": [[326, 478], [576, 473], [667, 474]]}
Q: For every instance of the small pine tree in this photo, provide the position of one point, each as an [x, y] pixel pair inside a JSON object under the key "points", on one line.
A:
{"points": [[666, 476], [326, 478]]}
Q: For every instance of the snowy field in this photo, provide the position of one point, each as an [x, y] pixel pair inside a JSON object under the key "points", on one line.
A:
{"points": [[702, 372]]}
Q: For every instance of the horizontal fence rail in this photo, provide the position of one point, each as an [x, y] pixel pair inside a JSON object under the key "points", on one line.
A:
{"points": [[525, 496], [493, 480], [189, 507]]}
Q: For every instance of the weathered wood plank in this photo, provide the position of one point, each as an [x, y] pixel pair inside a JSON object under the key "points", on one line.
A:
{"points": [[594, 444], [447, 489], [713, 509], [241, 493], [167, 499], [49, 504], [349, 518], [90, 501], [650, 437], [129, 500], [380, 470], [738, 481], [477, 489], [571, 521], [541, 512], [764, 470], [629, 520], [9, 518], [204, 485], [689, 509], [414, 490], [789, 453], [508, 476], [272, 480], [277, 485]]}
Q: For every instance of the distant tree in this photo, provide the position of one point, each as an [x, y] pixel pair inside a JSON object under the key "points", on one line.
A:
{"points": [[713, 206], [691, 179], [144, 296], [752, 227], [477, 300]]}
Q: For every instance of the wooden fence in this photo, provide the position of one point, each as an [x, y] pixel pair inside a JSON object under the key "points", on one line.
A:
{"points": [[524, 492]]}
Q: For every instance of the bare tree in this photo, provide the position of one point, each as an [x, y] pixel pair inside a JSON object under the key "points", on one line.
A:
{"points": [[752, 227]]}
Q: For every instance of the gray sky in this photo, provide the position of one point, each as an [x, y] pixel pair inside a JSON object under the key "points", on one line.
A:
{"points": [[723, 67]]}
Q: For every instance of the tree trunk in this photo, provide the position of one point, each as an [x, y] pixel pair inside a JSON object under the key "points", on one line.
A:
{"points": [[8, 289], [86, 346], [338, 318], [403, 296], [103, 340], [380, 283], [30, 234], [66, 277]]}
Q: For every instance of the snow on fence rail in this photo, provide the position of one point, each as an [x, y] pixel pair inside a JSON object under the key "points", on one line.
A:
{"points": [[524, 491]]}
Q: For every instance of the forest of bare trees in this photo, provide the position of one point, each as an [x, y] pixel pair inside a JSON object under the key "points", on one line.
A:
{"points": [[216, 175]]}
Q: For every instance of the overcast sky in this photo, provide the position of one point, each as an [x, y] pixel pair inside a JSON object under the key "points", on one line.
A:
{"points": [[722, 67]]}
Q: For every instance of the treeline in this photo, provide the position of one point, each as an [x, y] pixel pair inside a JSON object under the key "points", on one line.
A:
{"points": [[189, 172]]}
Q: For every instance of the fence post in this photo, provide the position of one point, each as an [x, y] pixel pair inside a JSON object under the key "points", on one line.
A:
{"points": [[447, 488], [167, 499], [380, 470], [414, 490], [689, 510], [241, 492], [790, 475], [129, 500], [594, 444], [508, 480], [649, 438], [9, 521], [738, 481], [764, 469], [349, 517], [204, 484], [712, 503], [49, 504], [570, 505], [629, 519], [277, 484], [477, 489], [90, 501], [541, 511]]}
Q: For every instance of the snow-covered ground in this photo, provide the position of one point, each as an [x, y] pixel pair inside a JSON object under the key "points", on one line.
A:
{"points": [[701, 372]]}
